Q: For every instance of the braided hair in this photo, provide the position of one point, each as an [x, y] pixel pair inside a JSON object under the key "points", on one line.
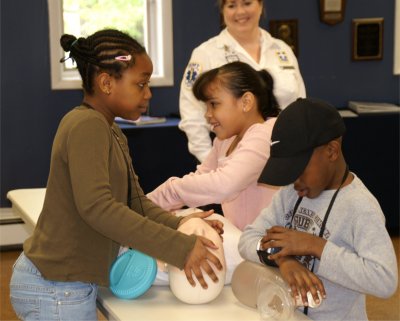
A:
{"points": [[97, 53], [239, 78]]}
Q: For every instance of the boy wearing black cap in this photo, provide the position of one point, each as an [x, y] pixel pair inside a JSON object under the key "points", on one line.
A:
{"points": [[324, 229]]}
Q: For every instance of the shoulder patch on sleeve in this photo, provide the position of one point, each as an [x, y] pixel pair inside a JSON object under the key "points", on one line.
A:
{"points": [[192, 71], [282, 56], [284, 60]]}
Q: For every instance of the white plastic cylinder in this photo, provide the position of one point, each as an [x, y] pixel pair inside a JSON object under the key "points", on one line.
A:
{"points": [[273, 300], [262, 287]]}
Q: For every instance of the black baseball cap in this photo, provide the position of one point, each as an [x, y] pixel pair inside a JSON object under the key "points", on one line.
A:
{"points": [[302, 126]]}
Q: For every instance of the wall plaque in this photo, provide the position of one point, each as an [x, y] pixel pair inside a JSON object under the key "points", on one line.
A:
{"points": [[367, 39], [332, 11]]}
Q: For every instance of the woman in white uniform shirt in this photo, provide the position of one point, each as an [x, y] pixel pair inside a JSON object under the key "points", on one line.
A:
{"points": [[243, 40]]}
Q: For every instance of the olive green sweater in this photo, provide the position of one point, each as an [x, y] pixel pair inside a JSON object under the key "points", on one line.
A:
{"points": [[85, 217]]}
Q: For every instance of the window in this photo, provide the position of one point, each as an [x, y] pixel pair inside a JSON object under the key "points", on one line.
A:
{"points": [[148, 21]]}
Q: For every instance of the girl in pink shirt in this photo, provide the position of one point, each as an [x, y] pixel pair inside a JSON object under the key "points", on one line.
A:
{"points": [[241, 110]]}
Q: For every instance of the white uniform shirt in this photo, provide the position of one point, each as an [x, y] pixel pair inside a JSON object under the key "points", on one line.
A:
{"points": [[276, 57]]}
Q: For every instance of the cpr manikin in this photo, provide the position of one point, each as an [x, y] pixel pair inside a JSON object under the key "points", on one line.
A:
{"points": [[178, 282], [227, 253]]}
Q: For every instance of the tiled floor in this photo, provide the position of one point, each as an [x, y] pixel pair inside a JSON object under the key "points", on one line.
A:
{"points": [[378, 309]]}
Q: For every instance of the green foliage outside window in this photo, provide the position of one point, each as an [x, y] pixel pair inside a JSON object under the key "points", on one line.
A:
{"points": [[84, 17]]}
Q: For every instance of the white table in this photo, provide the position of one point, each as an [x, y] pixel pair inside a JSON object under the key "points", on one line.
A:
{"points": [[27, 203], [156, 304], [160, 304]]}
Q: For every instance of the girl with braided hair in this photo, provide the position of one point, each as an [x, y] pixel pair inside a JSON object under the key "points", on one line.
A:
{"points": [[93, 201]]}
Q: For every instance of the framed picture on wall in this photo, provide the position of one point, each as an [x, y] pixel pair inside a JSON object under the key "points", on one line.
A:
{"points": [[367, 39], [286, 30]]}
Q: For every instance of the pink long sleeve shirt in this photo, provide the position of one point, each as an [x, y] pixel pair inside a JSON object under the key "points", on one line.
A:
{"points": [[227, 180]]}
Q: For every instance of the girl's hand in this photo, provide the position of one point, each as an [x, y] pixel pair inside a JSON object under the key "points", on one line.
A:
{"points": [[215, 224], [292, 242], [300, 279], [200, 258]]}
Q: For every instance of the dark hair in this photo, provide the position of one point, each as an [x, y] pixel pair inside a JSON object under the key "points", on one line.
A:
{"points": [[97, 53], [239, 78]]}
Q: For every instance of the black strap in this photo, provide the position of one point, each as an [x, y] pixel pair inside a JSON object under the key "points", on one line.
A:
{"points": [[295, 210], [328, 211]]}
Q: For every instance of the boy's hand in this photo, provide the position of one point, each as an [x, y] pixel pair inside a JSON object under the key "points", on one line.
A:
{"points": [[300, 279], [292, 242], [215, 224], [200, 257]]}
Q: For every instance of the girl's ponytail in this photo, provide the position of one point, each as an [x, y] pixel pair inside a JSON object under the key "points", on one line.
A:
{"points": [[267, 100]]}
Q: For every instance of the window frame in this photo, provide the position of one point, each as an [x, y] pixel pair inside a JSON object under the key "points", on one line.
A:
{"points": [[396, 54], [160, 49]]}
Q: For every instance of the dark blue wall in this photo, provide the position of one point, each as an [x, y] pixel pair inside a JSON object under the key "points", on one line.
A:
{"points": [[325, 52], [30, 110]]}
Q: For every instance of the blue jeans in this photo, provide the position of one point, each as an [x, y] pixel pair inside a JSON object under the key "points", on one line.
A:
{"points": [[34, 298]]}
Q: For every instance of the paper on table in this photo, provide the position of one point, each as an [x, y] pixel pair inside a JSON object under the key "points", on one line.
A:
{"points": [[142, 120], [345, 113], [361, 107]]}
